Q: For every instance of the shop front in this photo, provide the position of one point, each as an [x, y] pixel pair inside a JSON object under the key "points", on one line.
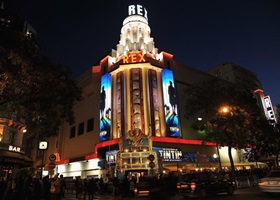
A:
{"points": [[12, 161]]}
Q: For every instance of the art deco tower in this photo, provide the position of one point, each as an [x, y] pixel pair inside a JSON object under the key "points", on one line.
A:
{"points": [[137, 87]]}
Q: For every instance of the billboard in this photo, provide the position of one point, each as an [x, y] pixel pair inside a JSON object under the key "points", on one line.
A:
{"points": [[170, 104], [105, 107]]}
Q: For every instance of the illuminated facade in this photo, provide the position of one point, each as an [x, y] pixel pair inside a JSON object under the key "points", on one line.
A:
{"points": [[12, 155], [130, 116]]}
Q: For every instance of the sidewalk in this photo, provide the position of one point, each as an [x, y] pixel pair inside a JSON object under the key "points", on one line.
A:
{"points": [[72, 196]]}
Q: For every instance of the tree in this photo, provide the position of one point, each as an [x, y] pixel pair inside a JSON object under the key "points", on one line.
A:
{"points": [[32, 87], [260, 141], [277, 135], [228, 112], [269, 141]]}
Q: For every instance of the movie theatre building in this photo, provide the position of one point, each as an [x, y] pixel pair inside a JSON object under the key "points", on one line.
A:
{"points": [[131, 116]]}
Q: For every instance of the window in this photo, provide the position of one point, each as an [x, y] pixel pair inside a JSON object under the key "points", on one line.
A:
{"points": [[90, 125], [72, 131], [11, 137], [81, 128], [218, 73]]}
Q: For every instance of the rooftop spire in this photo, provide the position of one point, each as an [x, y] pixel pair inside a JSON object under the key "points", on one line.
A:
{"points": [[135, 32]]}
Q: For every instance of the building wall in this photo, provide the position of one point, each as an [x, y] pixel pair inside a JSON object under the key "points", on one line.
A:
{"points": [[88, 108], [185, 77], [236, 74]]}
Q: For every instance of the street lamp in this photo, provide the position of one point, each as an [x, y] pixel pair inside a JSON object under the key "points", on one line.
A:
{"points": [[43, 146], [224, 109]]}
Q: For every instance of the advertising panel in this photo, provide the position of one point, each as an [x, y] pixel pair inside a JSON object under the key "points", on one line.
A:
{"points": [[170, 104], [105, 107], [168, 154]]}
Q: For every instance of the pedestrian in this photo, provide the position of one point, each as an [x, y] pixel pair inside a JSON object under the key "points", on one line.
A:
{"points": [[92, 188], [78, 187], [36, 189], [125, 187], [55, 188], [116, 186], [132, 182], [101, 185], [46, 188], [27, 186], [62, 186], [3, 186], [85, 188], [11, 193]]}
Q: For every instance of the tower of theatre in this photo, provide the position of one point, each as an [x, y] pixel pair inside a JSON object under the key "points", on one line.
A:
{"points": [[137, 85]]}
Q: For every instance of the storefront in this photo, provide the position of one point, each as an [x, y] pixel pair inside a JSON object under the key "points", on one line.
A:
{"points": [[11, 162]]}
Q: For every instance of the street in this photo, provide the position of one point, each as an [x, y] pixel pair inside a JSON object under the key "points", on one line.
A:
{"points": [[240, 194]]}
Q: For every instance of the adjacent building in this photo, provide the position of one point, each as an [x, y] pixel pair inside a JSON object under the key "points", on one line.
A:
{"points": [[12, 130]]}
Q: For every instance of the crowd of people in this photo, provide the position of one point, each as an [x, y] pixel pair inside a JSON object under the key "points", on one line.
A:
{"points": [[54, 188], [32, 188], [122, 187]]}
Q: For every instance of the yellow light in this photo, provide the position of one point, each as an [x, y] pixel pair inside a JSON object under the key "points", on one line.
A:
{"points": [[224, 109]]}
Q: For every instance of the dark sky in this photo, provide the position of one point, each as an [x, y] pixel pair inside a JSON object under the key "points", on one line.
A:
{"points": [[199, 33]]}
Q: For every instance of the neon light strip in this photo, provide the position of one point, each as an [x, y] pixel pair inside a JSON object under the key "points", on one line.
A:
{"points": [[181, 141], [154, 139]]}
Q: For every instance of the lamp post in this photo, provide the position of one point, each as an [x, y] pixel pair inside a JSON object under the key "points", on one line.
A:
{"points": [[43, 146]]}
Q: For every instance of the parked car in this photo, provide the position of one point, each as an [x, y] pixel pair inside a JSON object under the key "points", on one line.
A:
{"points": [[270, 183], [202, 184], [142, 189], [149, 187]]}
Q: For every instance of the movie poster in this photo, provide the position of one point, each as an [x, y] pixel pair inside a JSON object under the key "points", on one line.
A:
{"points": [[105, 107], [170, 104]]}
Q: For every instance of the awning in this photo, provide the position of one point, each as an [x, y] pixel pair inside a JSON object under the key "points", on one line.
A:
{"points": [[10, 157]]}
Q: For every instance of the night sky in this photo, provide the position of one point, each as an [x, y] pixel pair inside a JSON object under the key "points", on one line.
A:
{"points": [[199, 33]]}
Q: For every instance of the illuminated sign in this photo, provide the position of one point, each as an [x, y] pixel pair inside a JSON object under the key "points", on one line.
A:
{"points": [[170, 104], [134, 57], [105, 108], [111, 156], [13, 148], [168, 154], [137, 10], [269, 109], [43, 145]]}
